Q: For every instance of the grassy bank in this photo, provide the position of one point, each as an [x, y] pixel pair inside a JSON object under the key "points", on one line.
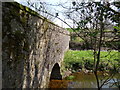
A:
{"points": [[76, 60]]}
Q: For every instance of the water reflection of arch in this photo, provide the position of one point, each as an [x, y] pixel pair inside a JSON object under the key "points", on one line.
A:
{"points": [[55, 74]]}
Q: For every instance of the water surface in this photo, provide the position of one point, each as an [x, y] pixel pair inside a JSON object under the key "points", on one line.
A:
{"points": [[83, 80]]}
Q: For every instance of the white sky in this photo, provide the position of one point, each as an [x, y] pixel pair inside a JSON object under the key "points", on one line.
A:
{"points": [[56, 21]]}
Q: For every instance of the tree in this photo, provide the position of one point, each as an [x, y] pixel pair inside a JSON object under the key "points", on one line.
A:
{"points": [[91, 19]]}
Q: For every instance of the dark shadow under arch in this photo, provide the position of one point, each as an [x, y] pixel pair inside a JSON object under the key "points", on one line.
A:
{"points": [[55, 74]]}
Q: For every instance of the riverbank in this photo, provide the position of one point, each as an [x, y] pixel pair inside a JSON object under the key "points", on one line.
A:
{"points": [[83, 60]]}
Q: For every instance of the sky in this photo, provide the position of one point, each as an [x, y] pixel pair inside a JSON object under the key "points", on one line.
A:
{"points": [[53, 2], [51, 8]]}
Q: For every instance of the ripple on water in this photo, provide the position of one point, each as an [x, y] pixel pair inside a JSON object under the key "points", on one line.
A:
{"points": [[81, 80]]}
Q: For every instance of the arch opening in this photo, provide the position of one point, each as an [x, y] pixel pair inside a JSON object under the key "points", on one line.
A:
{"points": [[55, 74]]}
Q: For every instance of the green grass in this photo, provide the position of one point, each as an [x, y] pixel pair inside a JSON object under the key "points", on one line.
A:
{"points": [[77, 56], [86, 57]]}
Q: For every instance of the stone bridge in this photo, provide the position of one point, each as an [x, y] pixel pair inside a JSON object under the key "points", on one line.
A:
{"points": [[32, 48]]}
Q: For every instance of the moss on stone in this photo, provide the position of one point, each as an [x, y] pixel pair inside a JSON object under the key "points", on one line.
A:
{"points": [[46, 25], [22, 7]]}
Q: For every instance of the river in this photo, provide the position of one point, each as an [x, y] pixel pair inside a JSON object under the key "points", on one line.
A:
{"points": [[83, 80]]}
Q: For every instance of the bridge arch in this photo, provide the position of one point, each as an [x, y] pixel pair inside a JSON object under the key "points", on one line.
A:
{"points": [[55, 74]]}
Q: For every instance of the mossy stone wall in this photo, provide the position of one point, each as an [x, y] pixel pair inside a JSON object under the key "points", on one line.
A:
{"points": [[31, 45]]}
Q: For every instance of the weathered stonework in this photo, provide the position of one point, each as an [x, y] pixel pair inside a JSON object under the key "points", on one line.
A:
{"points": [[0, 45], [31, 46]]}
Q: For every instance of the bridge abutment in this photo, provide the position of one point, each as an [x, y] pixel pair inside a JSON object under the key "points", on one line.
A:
{"points": [[32, 45]]}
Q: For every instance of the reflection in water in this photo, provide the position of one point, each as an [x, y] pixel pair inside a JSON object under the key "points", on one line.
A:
{"points": [[59, 83], [76, 84], [82, 80]]}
